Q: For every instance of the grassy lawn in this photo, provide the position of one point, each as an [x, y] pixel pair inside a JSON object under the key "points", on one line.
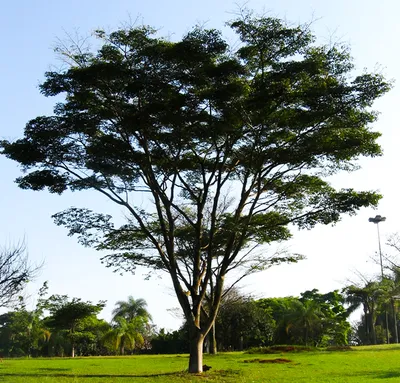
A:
{"points": [[364, 364]]}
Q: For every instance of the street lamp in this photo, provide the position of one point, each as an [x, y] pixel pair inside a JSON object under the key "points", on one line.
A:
{"points": [[377, 220]]}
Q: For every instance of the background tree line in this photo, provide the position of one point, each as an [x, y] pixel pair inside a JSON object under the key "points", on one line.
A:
{"points": [[378, 298], [61, 326]]}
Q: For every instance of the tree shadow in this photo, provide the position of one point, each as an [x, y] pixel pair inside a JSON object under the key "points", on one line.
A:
{"points": [[83, 376], [388, 374], [53, 369]]}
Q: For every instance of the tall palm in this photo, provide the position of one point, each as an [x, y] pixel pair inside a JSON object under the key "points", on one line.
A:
{"points": [[131, 308], [368, 296], [395, 293], [391, 293]]}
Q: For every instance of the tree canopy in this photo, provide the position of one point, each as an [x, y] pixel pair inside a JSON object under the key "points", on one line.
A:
{"points": [[233, 144], [131, 308], [60, 326], [68, 315]]}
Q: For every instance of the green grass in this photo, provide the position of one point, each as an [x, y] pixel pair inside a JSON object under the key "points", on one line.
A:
{"points": [[363, 364]]}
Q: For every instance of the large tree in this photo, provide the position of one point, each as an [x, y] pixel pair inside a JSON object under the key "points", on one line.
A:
{"points": [[191, 124]]}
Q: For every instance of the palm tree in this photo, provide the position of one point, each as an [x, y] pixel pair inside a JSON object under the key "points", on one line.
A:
{"points": [[131, 309], [36, 331], [395, 292], [368, 296], [391, 293], [125, 335], [305, 317]]}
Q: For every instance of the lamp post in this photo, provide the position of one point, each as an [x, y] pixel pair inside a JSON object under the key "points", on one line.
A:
{"points": [[376, 220]]}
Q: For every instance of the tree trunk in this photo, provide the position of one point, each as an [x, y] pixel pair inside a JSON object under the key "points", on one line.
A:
{"points": [[196, 352], [373, 332], [241, 341], [396, 332], [213, 341], [306, 335], [367, 332], [73, 351]]}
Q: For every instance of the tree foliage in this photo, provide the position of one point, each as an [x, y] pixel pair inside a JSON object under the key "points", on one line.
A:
{"points": [[379, 299], [67, 316], [131, 309], [60, 326], [15, 272], [193, 124], [241, 323], [312, 319], [126, 335]]}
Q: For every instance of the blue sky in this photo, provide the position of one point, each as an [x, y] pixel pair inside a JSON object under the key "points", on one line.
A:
{"points": [[29, 31]]}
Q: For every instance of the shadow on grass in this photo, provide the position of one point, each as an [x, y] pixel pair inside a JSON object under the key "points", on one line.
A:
{"points": [[388, 375], [83, 376], [53, 369], [372, 375]]}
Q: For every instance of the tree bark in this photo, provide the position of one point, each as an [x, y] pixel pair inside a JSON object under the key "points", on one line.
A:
{"points": [[213, 341], [367, 332], [241, 343], [396, 333], [196, 352], [305, 334], [373, 332]]}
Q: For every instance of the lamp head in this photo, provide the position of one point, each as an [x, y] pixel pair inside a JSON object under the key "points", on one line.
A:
{"points": [[377, 219]]}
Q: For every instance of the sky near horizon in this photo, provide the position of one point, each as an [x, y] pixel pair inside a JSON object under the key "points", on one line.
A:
{"points": [[29, 31]]}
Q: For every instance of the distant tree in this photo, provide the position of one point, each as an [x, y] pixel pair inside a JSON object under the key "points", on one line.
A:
{"points": [[366, 295], [14, 334], [68, 315], [379, 298], [304, 321], [125, 334], [92, 331], [325, 317], [187, 122], [175, 342], [311, 319], [242, 324], [23, 332], [280, 309], [131, 308], [15, 272], [391, 297]]}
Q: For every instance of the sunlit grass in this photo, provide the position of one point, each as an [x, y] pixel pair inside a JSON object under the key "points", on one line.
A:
{"points": [[363, 364]]}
